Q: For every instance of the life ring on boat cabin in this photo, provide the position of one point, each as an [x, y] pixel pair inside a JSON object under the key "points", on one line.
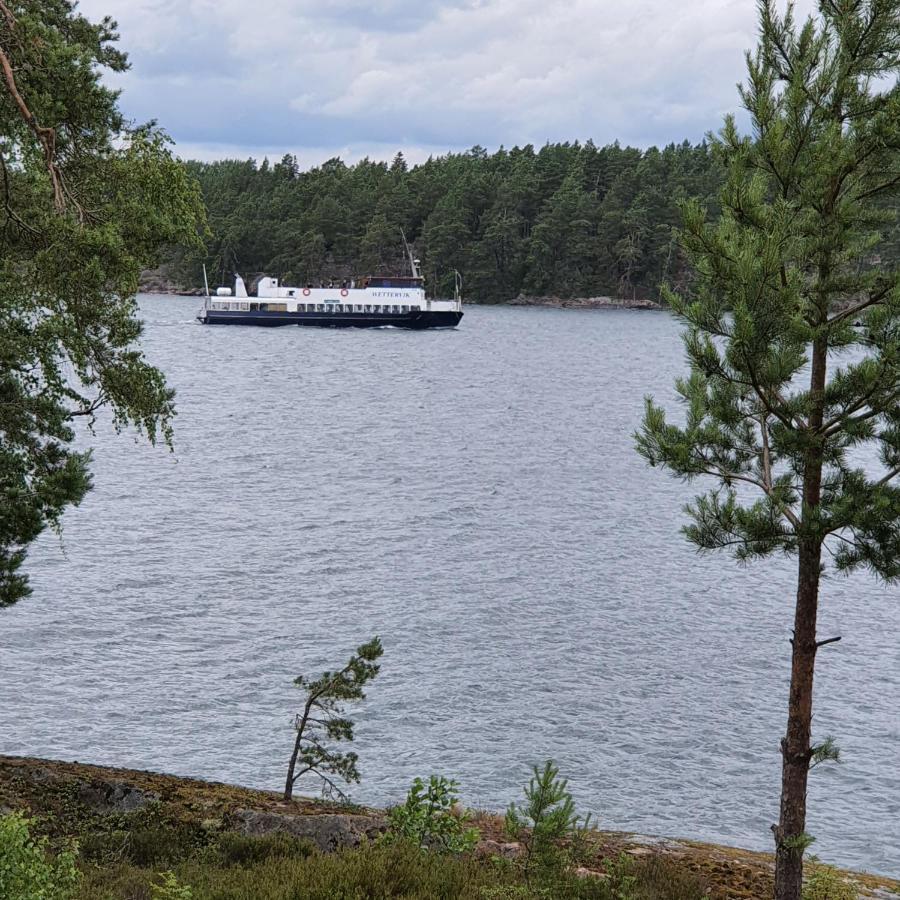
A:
{"points": [[305, 292], [344, 292]]}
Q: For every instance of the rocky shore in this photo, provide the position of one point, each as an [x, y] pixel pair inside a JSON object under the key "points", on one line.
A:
{"points": [[585, 302], [75, 800]]}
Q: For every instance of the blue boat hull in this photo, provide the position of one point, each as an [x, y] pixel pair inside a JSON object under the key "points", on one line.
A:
{"points": [[416, 320]]}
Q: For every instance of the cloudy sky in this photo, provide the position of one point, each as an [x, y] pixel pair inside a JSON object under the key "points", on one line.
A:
{"points": [[319, 78]]}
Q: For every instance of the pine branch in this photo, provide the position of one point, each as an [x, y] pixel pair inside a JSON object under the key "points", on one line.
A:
{"points": [[719, 471], [873, 300], [46, 136], [891, 475], [846, 420]]}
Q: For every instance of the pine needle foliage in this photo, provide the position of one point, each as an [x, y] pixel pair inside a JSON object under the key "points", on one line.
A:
{"points": [[544, 821], [87, 200], [792, 399], [323, 719]]}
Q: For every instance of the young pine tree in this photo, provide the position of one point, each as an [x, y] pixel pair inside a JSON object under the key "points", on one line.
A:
{"points": [[787, 398]]}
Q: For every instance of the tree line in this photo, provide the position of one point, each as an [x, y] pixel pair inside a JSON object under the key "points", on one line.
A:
{"points": [[567, 219]]}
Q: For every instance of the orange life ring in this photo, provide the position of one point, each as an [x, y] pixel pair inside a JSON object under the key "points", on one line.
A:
{"points": [[305, 292], [344, 292]]}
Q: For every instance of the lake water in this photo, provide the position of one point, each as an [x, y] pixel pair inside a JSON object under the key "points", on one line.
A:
{"points": [[472, 496]]}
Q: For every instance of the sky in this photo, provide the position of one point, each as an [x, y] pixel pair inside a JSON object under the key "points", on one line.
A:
{"points": [[325, 78]]}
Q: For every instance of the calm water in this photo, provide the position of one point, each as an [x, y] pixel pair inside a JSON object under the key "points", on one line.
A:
{"points": [[471, 496]]}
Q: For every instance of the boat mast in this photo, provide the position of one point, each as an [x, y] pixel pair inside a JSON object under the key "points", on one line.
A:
{"points": [[413, 262], [205, 285]]}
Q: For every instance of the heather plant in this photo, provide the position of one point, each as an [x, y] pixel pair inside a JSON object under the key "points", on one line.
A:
{"points": [[429, 818]]}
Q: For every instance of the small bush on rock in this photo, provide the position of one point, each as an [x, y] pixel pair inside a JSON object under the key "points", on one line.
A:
{"points": [[428, 819], [826, 883], [27, 869]]}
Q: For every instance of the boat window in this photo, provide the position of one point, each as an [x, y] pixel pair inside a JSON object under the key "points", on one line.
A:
{"points": [[263, 307], [291, 293], [318, 307], [404, 309], [254, 306], [244, 306]]}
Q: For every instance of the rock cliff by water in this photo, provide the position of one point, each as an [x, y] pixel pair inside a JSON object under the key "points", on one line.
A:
{"points": [[108, 808]]}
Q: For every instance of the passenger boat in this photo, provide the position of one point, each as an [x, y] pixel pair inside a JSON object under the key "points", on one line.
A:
{"points": [[374, 302]]}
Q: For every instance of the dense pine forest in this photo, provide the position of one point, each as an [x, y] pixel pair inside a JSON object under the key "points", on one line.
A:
{"points": [[566, 220]]}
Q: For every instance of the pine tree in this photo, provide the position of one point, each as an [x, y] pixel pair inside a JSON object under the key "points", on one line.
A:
{"points": [[785, 395], [88, 202]]}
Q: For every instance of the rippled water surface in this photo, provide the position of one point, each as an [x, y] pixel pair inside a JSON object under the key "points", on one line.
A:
{"points": [[472, 496]]}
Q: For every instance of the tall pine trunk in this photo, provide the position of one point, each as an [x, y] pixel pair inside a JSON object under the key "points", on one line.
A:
{"points": [[796, 747]]}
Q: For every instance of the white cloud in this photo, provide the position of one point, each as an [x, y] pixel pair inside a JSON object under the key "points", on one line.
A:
{"points": [[433, 74]]}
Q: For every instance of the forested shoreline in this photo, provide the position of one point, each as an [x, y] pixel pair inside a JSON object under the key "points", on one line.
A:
{"points": [[565, 220]]}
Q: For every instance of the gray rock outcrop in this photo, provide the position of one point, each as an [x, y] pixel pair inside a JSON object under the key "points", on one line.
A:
{"points": [[328, 831]]}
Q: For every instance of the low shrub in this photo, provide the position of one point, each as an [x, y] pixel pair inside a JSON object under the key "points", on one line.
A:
{"points": [[375, 872], [28, 871], [169, 888], [826, 883], [156, 845], [656, 878], [428, 818], [233, 849]]}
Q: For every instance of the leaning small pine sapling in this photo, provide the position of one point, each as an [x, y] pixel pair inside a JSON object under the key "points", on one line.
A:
{"points": [[323, 719], [545, 819]]}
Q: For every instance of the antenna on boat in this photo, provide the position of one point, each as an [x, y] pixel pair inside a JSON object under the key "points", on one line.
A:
{"points": [[413, 262], [457, 287], [205, 285]]}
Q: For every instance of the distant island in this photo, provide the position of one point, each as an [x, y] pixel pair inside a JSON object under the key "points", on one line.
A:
{"points": [[547, 225]]}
